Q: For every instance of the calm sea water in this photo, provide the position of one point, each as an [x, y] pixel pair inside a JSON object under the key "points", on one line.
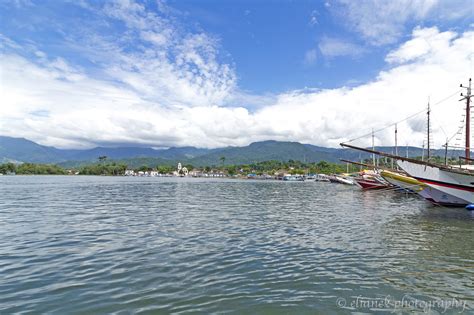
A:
{"points": [[88, 245]]}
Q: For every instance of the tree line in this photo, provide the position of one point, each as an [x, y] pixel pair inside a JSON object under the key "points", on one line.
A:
{"points": [[114, 169], [31, 169]]}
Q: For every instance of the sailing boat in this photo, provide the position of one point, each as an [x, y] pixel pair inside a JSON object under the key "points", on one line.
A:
{"points": [[446, 184], [371, 180], [454, 181], [402, 181]]}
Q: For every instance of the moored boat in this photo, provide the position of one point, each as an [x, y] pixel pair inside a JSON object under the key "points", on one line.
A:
{"points": [[293, 178], [368, 180], [450, 182], [402, 181], [345, 180], [413, 185], [321, 178]]}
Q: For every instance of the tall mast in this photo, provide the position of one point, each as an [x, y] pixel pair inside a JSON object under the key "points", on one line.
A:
{"points": [[446, 153], [468, 119], [396, 140], [423, 151], [428, 129], [373, 147]]}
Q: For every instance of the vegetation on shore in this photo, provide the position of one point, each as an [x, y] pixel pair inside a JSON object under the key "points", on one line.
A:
{"points": [[113, 168], [272, 167], [31, 169]]}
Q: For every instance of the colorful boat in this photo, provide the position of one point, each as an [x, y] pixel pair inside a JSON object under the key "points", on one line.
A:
{"points": [[439, 197], [411, 184], [403, 181], [293, 178], [369, 180], [345, 180], [455, 184], [448, 184]]}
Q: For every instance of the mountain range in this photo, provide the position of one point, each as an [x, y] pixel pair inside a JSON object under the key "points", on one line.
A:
{"points": [[20, 150]]}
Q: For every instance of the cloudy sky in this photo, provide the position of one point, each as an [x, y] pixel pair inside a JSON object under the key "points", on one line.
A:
{"points": [[77, 74]]}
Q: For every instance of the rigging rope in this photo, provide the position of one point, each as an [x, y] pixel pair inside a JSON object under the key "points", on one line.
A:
{"points": [[405, 119]]}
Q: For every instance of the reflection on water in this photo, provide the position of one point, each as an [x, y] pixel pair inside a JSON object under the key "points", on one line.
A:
{"points": [[109, 244]]}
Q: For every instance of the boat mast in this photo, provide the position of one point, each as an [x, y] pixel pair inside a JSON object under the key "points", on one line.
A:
{"points": [[396, 140], [373, 147], [423, 151], [428, 129], [446, 153], [468, 118]]}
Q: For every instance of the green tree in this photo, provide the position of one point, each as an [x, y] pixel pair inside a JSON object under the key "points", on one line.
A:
{"points": [[143, 168], [164, 169], [231, 170], [7, 168]]}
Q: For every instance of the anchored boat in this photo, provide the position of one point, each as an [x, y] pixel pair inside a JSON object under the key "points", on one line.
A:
{"points": [[446, 184], [403, 181]]}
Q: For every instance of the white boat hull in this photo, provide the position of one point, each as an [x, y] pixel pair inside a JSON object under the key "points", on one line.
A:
{"points": [[449, 184], [403, 185], [345, 181], [440, 198]]}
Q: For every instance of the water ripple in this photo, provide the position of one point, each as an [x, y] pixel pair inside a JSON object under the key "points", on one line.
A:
{"points": [[160, 245]]}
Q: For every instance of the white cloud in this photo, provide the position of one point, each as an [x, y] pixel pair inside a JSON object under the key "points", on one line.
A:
{"points": [[383, 22], [314, 18], [88, 111], [423, 42], [156, 84], [334, 47], [166, 64], [310, 57]]}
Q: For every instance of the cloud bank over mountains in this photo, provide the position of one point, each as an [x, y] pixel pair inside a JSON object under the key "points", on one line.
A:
{"points": [[135, 76]]}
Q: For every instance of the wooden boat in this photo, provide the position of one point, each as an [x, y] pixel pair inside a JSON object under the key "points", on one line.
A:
{"points": [[403, 181], [344, 180], [445, 190], [448, 184], [451, 182], [321, 178], [293, 178], [340, 180], [439, 197], [370, 180]]}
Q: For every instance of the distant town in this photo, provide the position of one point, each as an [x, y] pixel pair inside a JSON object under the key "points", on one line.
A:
{"points": [[259, 170]]}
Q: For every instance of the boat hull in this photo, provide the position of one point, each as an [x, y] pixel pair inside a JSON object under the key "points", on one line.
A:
{"points": [[454, 184], [369, 184], [441, 198], [345, 181], [403, 182]]}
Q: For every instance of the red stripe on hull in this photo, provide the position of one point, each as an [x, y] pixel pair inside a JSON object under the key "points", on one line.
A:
{"points": [[453, 186]]}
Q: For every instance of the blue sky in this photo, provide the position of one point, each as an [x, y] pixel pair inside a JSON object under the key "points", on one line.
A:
{"points": [[86, 73], [269, 40]]}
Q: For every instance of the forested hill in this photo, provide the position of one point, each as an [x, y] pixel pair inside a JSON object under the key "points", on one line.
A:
{"points": [[22, 150]]}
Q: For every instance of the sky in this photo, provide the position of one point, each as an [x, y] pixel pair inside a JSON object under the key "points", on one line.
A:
{"points": [[80, 74]]}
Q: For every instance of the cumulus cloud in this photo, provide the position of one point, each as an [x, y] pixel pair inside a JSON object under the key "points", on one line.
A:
{"points": [[423, 42], [183, 95]]}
